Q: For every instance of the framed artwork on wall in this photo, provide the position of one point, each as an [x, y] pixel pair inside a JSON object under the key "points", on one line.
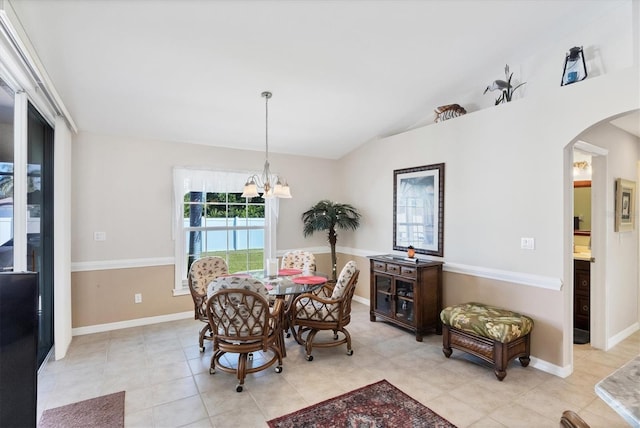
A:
{"points": [[418, 209], [625, 205]]}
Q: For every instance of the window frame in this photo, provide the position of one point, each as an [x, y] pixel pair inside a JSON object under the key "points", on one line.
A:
{"points": [[212, 181]]}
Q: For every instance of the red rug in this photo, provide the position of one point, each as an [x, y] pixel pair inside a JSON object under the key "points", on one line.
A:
{"points": [[377, 405]]}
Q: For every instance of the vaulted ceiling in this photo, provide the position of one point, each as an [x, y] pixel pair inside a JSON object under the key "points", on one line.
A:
{"points": [[341, 72]]}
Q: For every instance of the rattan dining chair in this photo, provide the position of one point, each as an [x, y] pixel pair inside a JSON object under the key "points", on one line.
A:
{"points": [[243, 322], [299, 259], [328, 308], [201, 273]]}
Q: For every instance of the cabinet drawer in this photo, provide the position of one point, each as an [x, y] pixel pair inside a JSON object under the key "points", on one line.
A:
{"points": [[393, 268], [381, 266], [408, 271]]}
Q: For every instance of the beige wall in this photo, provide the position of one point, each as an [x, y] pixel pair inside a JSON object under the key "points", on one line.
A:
{"points": [[544, 306], [107, 296]]}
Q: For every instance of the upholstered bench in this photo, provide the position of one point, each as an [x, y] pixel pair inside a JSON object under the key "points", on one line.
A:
{"points": [[492, 334]]}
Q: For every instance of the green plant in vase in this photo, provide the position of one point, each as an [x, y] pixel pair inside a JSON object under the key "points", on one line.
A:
{"points": [[327, 216]]}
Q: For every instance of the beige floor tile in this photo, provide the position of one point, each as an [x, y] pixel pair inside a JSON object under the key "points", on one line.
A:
{"points": [[235, 420], [515, 415], [179, 412], [487, 422], [139, 419], [224, 400], [173, 390], [460, 414], [167, 379]]}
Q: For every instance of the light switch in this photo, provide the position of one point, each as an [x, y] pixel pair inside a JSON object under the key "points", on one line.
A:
{"points": [[99, 236], [527, 243]]}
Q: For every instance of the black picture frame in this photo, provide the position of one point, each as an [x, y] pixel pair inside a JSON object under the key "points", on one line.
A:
{"points": [[418, 209]]}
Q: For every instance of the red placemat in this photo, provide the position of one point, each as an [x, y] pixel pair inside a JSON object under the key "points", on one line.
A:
{"points": [[309, 280], [287, 272]]}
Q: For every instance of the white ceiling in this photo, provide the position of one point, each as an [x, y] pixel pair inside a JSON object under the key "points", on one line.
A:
{"points": [[342, 72]]}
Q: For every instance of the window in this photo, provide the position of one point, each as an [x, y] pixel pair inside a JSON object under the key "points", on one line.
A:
{"points": [[225, 225], [213, 219]]}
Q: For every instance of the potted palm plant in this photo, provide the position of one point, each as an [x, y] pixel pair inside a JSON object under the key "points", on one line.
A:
{"points": [[327, 216]]}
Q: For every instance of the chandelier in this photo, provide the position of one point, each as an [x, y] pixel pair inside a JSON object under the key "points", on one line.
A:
{"points": [[271, 185]]}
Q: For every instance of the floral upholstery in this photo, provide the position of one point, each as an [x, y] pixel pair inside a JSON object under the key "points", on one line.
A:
{"points": [[240, 315], [343, 280], [326, 304], [487, 321], [201, 273], [243, 322], [205, 270], [298, 259], [319, 310]]}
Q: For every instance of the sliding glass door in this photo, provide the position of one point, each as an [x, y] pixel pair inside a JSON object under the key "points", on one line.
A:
{"points": [[40, 221], [34, 210]]}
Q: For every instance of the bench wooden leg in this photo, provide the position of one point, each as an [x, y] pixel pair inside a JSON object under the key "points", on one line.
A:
{"points": [[446, 341], [496, 353]]}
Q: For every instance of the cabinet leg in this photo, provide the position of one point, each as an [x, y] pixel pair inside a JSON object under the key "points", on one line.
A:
{"points": [[372, 318]]}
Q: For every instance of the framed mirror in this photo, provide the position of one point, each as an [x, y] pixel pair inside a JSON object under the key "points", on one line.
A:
{"points": [[418, 209]]}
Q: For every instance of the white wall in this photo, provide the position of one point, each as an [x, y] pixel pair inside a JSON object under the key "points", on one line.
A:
{"points": [[621, 279], [504, 179]]}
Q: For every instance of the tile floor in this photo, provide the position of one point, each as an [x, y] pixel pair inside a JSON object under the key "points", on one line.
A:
{"points": [[168, 384]]}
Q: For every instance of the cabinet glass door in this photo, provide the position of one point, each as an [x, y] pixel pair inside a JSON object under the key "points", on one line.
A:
{"points": [[383, 299], [404, 306]]}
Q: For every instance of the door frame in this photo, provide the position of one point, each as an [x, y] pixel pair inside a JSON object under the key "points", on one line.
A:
{"points": [[598, 294]]}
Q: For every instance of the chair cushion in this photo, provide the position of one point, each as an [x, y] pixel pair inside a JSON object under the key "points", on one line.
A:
{"points": [[487, 321], [224, 282], [303, 260], [204, 270], [343, 280]]}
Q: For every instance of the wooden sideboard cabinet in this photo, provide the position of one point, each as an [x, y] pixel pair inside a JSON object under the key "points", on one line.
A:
{"points": [[407, 293]]}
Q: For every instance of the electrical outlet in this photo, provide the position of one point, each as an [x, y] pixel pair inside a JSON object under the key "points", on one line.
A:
{"points": [[99, 236], [137, 298], [527, 243]]}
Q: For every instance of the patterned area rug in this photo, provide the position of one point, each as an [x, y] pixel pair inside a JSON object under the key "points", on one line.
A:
{"points": [[377, 405], [106, 411]]}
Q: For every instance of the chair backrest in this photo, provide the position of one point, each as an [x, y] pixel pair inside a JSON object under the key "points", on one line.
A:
{"points": [[237, 282], [239, 308], [298, 259], [344, 279], [201, 273], [205, 270]]}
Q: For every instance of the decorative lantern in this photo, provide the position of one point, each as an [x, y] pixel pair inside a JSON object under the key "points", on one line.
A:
{"points": [[575, 68]]}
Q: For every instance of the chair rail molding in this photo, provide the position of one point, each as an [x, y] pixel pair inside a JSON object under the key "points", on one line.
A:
{"points": [[120, 264]]}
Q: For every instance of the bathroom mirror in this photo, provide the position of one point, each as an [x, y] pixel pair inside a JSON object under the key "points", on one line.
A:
{"points": [[582, 207]]}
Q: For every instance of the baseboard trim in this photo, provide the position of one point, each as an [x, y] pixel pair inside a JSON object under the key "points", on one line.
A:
{"points": [[617, 338], [547, 367], [100, 328]]}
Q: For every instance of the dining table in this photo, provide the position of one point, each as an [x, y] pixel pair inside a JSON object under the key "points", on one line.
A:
{"points": [[287, 284], [621, 391]]}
